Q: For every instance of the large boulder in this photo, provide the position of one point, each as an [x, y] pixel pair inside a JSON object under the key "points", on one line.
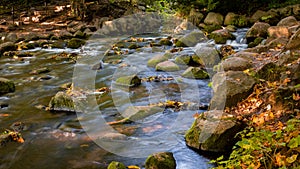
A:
{"points": [[213, 18], [278, 31], [236, 64], [195, 17], [230, 88], [163, 160], [195, 73], [259, 29], [6, 86], [213, 131], [258, 15], [63, 101], [191, 39], [236, 20], [64, 34], [7, 46], [206, 55], [167, 66], [288, 21], [221, 36]]}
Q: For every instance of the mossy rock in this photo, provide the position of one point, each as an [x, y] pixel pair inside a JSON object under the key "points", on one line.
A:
{"points": [[157, 59], [191, 39], [116, 165], [211, 28], [7, 46], [58, 44], [62, 102], [134, 113], [163, 160], [75, 43], [195, 73], [79, 34], [221, 36], [165, 41], [270, 72], [183, 59], [256, 42], [132, 80], [133, 46], [6, 86], [167, 66]]}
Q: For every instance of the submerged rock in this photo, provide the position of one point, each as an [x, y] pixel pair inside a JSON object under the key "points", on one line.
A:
{"points": [[62, 102], [6, 86], [195, 73], [157, 59], [163, 160], [213, 131], [167, 66], [116, 165]]}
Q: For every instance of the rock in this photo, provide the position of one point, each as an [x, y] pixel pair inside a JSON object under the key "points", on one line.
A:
{"points": [[116, 165], [184, 59], [280, 41], [294, 41], [246, 55], [195, 73], [79, 34], [236, 20], [40, 71], [31, 37], [130, 81], [75, 43], [236, 64], [62, 102], [207, 56], [165, 41], [259, 29], [256, 42], [278, 31], [163, 160], [288, 21], [226, 50], [134, 113], [213, 18], [221, 36], [6, 86], [191, 39], [157, 59], [7, 46], [258, 15], [296, 11], [11, 37], [133, 46], [195, 17], [285, 11], [58, 44], [229, 88], [167, 66], [212, 133], [64, 34], [210, 28], [270, 72]]}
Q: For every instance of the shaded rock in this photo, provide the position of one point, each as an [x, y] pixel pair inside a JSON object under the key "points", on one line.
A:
{"points": [[62, 102], [133, 46], [64, 34], [236, 20], [163, 160], [270, 72], [167, 66], [130, 81], [278, 31], [134, 113], [58, 44], [207, 56], [210, 28], [280, 41], [7, 46], [195, 17], [157, 59], [6, 86], [259, 29], [183, 59], [214, 131], [195, 73], [79, 34], [288, 21], [294, 41], [256, 42], [296, 11], [11, 37], [191, 39], [258, 15], [236, 64], [230, 88], [213, 18], [221, 36], [165, 41], [75, 43], [116, 165], [285, 11]]}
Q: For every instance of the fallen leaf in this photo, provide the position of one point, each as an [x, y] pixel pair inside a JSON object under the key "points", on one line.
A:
{"points": [[133, 167], [292, 159]]}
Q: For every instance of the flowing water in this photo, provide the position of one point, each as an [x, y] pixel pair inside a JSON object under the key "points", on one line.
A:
{"points": [[63, 140]]}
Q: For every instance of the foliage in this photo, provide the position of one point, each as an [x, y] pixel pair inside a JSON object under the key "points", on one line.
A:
{"points": [[265, 149]]}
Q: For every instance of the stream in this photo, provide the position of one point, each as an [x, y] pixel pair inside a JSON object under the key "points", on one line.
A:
{"points": [[68, 140]]}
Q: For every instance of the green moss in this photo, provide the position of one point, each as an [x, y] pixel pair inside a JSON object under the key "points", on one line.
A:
{"points": [[192, 135], [62, 102], [166, 42], [156, 60], [211, 28], [160, 161], [116, 165], [195, 73], [183, 60], [256, 42], [6, 86], [131, 80], [75, 43], [191, 39]]}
